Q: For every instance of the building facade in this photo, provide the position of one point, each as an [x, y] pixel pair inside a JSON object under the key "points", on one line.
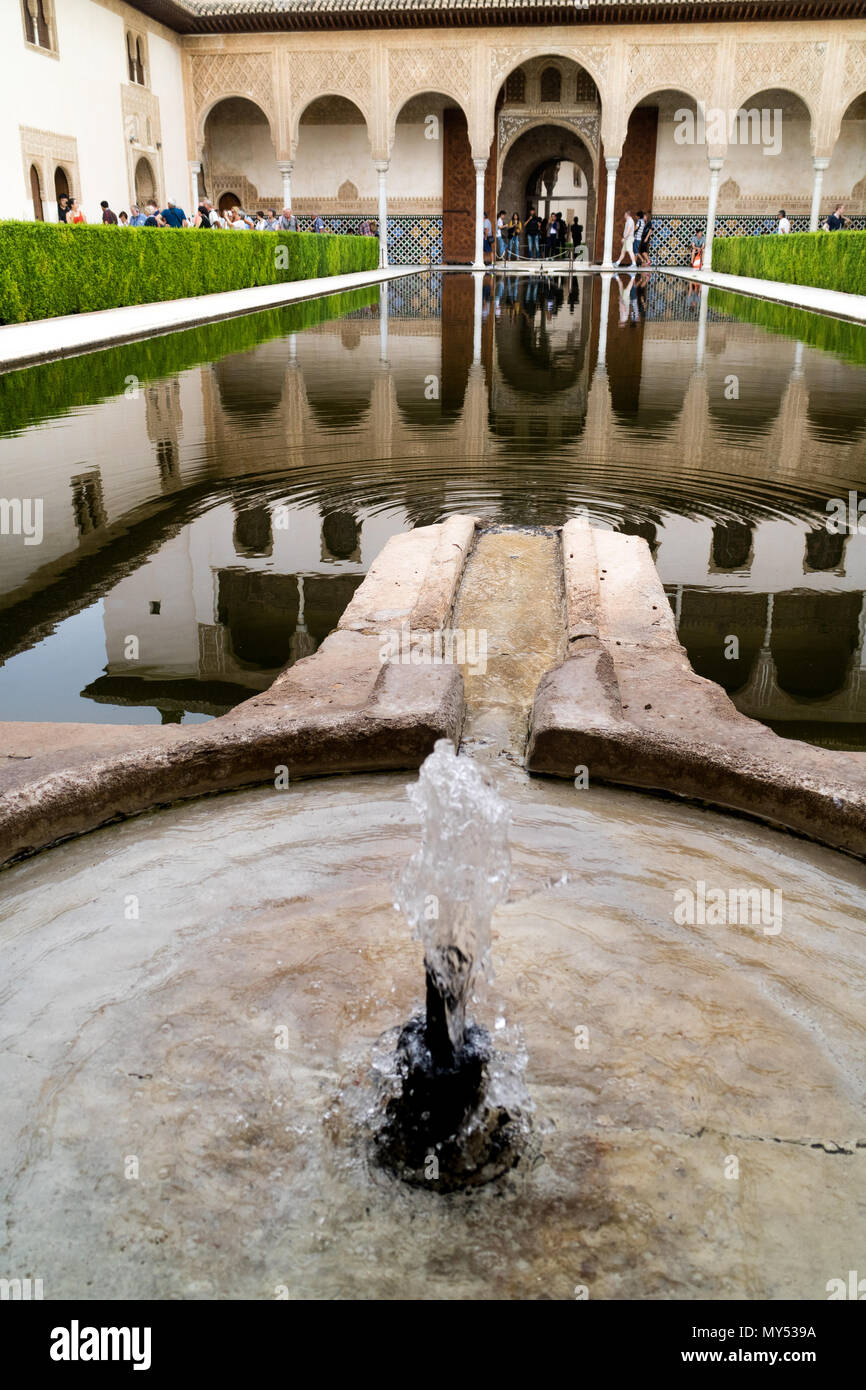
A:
{"points": [[427, 115]]}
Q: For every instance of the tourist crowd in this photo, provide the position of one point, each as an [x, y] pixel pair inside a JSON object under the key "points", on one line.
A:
{"points": [[206, 218], [540, 237]]}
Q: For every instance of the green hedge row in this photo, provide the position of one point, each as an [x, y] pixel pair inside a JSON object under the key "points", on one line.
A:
{"points": [[50, 389], [48, 268], [827, 260], [843, 339]]}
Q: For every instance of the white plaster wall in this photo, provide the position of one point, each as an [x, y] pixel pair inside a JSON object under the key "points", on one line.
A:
{"points": [[78, 94], [328, 155], [682, 170]]}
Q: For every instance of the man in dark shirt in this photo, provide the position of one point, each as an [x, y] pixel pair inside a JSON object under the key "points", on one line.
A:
{"points": [[532, 230], [108, 217], [173, 216], [837, 218], [62, 207]]}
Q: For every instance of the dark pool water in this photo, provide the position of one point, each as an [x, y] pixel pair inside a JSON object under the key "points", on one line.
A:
{"points": [[210, 500]]}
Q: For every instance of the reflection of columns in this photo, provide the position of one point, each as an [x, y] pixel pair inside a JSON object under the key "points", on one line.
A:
{"points": [[381, 167], [383, 322], [611, 163], [702, 327], [194, 171], [293, 345], [819, 165], [476, 320], [797, 369], [603, 319], [286, 171], [480, 169], [712, 200]]}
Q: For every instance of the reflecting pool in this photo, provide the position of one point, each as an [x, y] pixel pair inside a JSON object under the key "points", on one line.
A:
{"points": [[211, 499]]}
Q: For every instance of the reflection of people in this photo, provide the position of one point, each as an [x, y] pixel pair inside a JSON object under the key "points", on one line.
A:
{"points": [[624, 284], [627, 241]]}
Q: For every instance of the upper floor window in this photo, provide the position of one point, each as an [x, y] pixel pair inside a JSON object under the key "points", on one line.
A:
{"points": [[136, 58], [551, 85], [39, 24], [515, 85]]}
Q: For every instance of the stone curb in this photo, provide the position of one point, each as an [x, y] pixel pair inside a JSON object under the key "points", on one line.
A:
{"points": [[340, 710], [627, 705]]}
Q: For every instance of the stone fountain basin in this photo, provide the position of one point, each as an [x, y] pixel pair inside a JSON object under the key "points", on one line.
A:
{"points": [[183, 1087]]}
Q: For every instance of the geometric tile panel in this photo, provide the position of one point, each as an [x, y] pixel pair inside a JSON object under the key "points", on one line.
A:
{"points": [[413, 238], [673, 232]]}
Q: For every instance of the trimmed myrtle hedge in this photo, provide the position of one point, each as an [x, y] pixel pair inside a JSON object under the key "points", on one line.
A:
{"points": [[843, 339], [50, 389], [826, 260], [48, 268]]}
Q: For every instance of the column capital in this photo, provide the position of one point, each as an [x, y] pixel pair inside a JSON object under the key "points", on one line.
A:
{"points": [[480, 166], [381, 165], [195, 166], [285, 166], [820, 162], [611, 163], [715, 162]]}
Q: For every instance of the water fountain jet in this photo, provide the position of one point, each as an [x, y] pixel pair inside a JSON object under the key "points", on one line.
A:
{"points": [[443, 1124]]}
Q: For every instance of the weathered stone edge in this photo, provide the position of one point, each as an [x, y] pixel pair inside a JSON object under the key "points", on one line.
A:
{"points": [[337, 711]]}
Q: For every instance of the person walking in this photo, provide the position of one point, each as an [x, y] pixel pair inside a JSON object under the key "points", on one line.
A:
{"points": [[514, 230], [561, 233], [627, 241], [643, 250], [639, 225], [837, 219], [784, 225], [500, 234], [576, 233], [533, 228], [109, 218]]}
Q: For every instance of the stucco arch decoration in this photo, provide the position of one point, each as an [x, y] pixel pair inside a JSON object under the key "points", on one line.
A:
{"points": [[853, 85], [797, 68], [585, 127], [338, 72], [412, 72], [594, 58], [215, 76]]}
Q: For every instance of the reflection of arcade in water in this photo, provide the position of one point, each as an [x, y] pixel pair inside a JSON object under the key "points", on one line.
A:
{"points": [[518, 399]]}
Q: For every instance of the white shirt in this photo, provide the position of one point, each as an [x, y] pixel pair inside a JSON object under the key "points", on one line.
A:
{"points": [[629, 228], [784, 224]]}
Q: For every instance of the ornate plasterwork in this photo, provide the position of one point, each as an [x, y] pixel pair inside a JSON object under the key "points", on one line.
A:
{"points": [[854, 71], [595, 58], [142, 133], [513, 123], [654, 67], [46, 149], [412, 71], [343, 72], [796, 67], [239, 73]]}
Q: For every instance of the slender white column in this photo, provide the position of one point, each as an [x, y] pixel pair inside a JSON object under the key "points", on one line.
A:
{"points": [[712, 200], [819, 165], [383, 322], [286, 171], [194, 171], [603, 317], [480, 169], [381, 167], [611, 163], [701, 346], [476, 320]]}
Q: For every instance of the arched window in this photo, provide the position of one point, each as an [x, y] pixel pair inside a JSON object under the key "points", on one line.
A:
{"points": [[130, 56], [551, 85], [139, 63], [36, 194], [37, 22], [145, 183], [515, 85]]}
